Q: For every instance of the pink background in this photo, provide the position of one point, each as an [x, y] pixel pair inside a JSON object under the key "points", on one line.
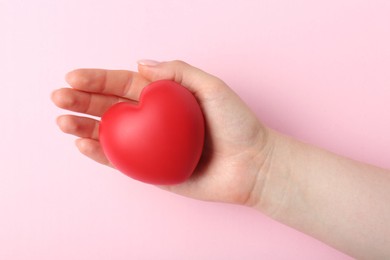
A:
{"points": [[316, 70]]}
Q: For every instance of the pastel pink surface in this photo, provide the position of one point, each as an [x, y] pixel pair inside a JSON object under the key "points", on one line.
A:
{"points": [[316, 70]]}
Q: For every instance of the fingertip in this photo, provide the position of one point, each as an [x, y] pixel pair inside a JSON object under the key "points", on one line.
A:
{"points": [[63, 98], [179, 71], [66, 124], [87, 146], [53, 95], [79, 143], [148, 62], [69, 77], [57, 98], [92, 149], [77, 78], [148, 72], [59, 120]]}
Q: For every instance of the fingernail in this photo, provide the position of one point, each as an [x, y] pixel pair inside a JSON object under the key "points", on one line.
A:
{"points": [[145, 62]]}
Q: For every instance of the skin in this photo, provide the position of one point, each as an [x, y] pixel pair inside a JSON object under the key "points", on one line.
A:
{"points": [[339, 201]]}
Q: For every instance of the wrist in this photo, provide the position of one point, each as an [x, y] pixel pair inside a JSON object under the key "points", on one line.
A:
{"points": [[272, 188]]}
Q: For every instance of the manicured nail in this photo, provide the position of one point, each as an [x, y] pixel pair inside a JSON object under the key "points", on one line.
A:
{"points": [[150, 63]]}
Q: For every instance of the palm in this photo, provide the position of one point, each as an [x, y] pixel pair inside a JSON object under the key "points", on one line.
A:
{"points": [[225, 172]]}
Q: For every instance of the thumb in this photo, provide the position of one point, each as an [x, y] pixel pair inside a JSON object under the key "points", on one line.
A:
{"points": [[196, 80]]}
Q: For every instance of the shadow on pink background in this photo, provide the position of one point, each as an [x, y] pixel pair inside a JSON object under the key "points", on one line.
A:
{"points": [[319, 71]]}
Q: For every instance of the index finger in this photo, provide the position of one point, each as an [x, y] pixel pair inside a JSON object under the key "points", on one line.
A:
{"points": [[121, 83]]}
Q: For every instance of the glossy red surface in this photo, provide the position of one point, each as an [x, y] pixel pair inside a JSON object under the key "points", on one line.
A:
{"points": [[157, 141]]}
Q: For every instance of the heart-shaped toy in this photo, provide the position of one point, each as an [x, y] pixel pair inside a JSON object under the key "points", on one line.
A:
{"points": [[160, 139]]}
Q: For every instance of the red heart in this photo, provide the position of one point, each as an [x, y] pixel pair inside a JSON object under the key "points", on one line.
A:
{"points": [[158, 141]]}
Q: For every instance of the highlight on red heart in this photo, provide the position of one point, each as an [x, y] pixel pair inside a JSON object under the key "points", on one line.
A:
{"points": [[160, 139]]}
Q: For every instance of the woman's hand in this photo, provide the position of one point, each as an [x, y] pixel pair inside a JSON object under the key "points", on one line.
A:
{"points": [[334, 199], [236, 147]]}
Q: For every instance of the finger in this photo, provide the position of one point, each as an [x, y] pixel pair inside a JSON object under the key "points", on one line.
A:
{"points": [[92, 149], [120, 83], [196, 80], [79, 126], [83, 102]]}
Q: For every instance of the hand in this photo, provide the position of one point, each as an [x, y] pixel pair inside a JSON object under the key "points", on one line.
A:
{"points": [[236, 145], [246, 163]]}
